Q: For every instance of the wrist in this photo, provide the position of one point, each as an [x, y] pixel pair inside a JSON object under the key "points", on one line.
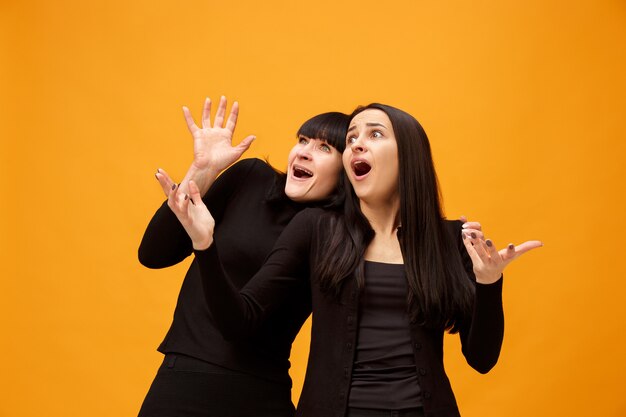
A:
{"points": [[203, 244], [488, 280]]}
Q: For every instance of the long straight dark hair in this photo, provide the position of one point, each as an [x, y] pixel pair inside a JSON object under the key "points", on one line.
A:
{"points": [[440, 292]]}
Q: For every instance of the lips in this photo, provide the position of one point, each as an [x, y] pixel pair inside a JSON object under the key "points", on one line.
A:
{"points": [[360, 167], [301, 172]]}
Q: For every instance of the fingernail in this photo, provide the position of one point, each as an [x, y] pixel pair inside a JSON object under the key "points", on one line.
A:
{"points": [[489, 242], [155, 176], [186, 196], [511, 246], [464, 236], [173, 186], [464, 226], [191, 199], [473, 235]]}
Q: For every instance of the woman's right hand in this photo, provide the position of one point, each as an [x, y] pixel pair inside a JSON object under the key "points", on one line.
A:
{"points": [[212, 144], [195, 217]]}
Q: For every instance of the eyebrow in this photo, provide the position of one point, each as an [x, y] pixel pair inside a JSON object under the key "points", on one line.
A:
{"points": [[371, 124]]}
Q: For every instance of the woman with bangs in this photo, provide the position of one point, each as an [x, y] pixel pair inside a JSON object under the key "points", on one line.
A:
{"points": [[202, 374], [387, 277]]}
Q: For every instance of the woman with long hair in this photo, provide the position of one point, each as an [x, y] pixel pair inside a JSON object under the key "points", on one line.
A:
{"points": [[386, 277], [202, 374]]}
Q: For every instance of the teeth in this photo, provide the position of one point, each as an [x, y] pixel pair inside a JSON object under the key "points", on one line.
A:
{"points": [[306, 171], [300, 172]]}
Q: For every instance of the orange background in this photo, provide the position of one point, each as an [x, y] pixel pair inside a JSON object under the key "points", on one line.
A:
{"points": [[524, 102]]}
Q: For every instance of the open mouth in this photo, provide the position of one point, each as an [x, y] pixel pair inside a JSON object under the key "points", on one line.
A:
{"points": [[300, 172], [360, 167]]}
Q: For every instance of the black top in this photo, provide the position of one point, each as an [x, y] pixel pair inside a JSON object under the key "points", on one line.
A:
{"points": [[334, 330], [247, 227], [384, 374]]}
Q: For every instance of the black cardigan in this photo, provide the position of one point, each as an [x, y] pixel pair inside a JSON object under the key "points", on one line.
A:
{"points": [[285, 276]]}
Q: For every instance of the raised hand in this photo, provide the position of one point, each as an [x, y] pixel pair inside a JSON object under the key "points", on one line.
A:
{"points": [[190, 210], [488, 262], [212, 144]]}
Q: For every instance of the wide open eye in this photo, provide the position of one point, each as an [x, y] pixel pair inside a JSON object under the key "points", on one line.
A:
{"points": [[325, 147]]}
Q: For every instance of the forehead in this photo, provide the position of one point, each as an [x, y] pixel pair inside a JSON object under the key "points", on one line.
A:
{"points": [[371, 116]]}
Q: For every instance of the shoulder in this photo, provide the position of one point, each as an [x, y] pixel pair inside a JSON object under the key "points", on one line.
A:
{"points": [[250, 164], [311, 217], [250, 169], [453, 226], [310, 214]]}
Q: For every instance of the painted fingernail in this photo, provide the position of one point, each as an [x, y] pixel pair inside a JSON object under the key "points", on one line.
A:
{"points": [[173, 186], [191, 199], [473, 235], [489, 242], [155, 176], [511, 246], [464, 236], [186, 196]]}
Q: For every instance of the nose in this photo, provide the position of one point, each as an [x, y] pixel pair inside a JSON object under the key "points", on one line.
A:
{"points": [[305, 152], [357, 146]]}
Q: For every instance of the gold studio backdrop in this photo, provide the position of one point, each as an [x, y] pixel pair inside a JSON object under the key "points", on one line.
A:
{"points": [[524, 103]]}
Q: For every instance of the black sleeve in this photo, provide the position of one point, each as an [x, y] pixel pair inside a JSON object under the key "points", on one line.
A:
{"points": [[239, 314], [165, 242], [482, 335]]}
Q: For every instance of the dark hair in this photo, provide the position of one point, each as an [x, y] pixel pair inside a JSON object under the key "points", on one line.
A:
{"points": [[440, 294], [332, 128]]}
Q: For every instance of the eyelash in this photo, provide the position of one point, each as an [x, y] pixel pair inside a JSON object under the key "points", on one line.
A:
{"points": [[376, 134], [325, 147]]}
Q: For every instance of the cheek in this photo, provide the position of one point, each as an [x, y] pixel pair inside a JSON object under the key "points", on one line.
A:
{"points": [[346, 160], [330, 170], [291, 156]]}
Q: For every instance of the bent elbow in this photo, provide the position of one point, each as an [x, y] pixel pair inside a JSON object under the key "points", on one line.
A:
{"points": [[147, 259], [483, 366]]}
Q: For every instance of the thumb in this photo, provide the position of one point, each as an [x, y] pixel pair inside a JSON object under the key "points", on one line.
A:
{"points": [[245, 144], [194, 194]]}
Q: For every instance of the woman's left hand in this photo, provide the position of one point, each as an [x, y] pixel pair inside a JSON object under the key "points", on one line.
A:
{"points": [[195, 218], [473, 229], [488, 262]]}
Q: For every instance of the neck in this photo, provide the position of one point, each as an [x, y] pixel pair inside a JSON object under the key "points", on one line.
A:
{"points": [[384, 216]]}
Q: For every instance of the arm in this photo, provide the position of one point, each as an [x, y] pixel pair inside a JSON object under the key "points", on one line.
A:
{"points": [[239, 314], [482, 338], [165, 242]]}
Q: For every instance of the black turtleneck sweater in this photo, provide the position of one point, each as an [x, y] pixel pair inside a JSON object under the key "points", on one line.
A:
{"points": [[247, 226]]}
